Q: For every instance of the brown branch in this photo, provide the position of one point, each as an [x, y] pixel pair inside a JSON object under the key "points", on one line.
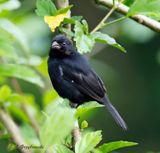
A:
{"points": [[123, 9], [63, 4], [24, 107], [76, 133], [13, 130]]}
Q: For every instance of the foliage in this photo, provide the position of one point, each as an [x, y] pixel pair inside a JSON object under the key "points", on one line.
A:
{"points": [[53, 132], [84, 39], [20, 65], [146, 7]]}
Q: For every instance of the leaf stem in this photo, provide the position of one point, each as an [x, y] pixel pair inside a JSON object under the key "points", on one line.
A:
{"points": [[114, 21], [141, 19], [100, 25], [13, 129]]}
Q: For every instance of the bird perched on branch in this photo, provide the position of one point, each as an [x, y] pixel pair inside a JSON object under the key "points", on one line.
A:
{"points": [[74, 79]]}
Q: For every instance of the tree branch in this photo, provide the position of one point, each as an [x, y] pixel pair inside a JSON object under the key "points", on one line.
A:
{"points": [[13, 130], [76, 133], [123, 9]]}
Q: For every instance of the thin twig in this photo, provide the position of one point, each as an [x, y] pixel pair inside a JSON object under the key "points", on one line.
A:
{"points": [[142, 19], [13, 130], [114, 21], [101, 23]]}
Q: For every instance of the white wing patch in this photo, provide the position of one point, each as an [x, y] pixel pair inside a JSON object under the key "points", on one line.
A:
{"points": [[61, 70]]}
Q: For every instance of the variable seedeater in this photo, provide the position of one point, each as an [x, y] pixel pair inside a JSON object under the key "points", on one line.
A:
{"points": [[74, 79]]}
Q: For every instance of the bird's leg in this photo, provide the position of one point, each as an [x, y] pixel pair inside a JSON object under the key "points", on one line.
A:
{"points": [[73, 105], [76, 132]]}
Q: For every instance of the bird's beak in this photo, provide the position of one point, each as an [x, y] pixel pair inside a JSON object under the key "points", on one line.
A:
{"points": [[56, 45]]}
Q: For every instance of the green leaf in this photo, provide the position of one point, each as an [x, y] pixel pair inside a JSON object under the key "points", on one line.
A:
{"points": [[15, 32], [88, 141], [66, 31], [10, 5], [6, 50], [108, 147], [61, 149], [104, 38], [57, 126], [128, 2], [87, 107], [45, 8], [85, 26], [5, 92], [17, 98], [29, 136], [18, 113], [72, 20], [77, 18], [147, 7], [49, 96], [64, 10], [84, 42], [21, 72]]}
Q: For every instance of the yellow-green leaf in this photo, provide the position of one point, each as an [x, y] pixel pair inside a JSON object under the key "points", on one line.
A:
{"points": [[88, 142], [54, 21], [108, 147]]}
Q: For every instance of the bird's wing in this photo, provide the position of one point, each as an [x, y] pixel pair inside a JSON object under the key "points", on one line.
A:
{"points": [[88, 83]]}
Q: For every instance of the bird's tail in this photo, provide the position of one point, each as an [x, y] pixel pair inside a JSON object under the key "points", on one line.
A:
{"points": [[115, 113]]}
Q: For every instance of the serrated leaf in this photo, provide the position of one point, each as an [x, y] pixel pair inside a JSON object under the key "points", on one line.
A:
{"points": [[104, 38], [52, 131], [84, 42], [45, 8], [54, 21], [5, 92], [21, 72], [86, 107], [147, 7], [88, 141], [61, 149], [108, 147]]}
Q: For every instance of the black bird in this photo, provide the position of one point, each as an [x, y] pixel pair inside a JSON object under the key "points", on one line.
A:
{"points": [[74, 79]]}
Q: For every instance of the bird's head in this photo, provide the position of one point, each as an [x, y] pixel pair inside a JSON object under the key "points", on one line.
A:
{"points": [[61, 46]]}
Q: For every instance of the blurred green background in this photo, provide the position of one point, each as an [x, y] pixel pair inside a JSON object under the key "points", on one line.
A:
{"points": [[132, 79]]}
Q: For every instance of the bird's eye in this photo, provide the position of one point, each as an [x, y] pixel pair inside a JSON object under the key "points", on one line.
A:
{"points": [[64, 44]]}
